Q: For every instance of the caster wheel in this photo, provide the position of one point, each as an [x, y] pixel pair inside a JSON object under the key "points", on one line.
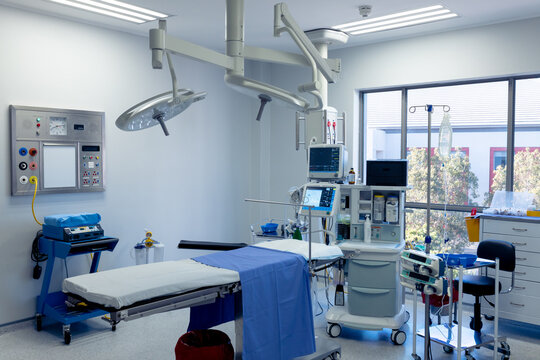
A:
{"points": [[448, 349], [469, 357], [334, 356], [39, 322], [489, 317], [67, 337], [334, 330], [113, 328], [398, 337], [407, 316], [505, 349]]}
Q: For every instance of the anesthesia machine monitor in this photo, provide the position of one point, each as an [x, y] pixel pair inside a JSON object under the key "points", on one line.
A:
{"points": [[62, 148], [322, 197], [326, 161]]}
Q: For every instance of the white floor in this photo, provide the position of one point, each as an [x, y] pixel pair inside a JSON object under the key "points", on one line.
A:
{"points": [[154, 337]]}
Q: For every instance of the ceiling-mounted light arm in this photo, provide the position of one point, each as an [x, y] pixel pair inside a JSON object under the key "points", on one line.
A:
{"points": [[173, 77], [160, 41], [282, 15], [283, 57]]}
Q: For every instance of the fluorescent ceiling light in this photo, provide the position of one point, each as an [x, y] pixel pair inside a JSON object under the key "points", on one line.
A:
{"points": [[124, 12], [136, 8], [397, 20], [409, 23], [116, 9], [391, 16]]}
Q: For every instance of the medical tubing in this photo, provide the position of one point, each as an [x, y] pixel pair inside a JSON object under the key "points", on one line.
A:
{"points": [[34, 199]]}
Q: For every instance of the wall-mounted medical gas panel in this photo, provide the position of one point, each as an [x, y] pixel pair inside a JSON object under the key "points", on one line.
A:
{"points": [[62, 148]]}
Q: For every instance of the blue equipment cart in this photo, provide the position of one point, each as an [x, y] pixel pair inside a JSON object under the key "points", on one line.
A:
{"points": [[53, 305]]}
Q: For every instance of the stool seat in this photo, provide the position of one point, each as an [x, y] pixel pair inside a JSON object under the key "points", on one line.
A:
{"points": [[479, 285]]}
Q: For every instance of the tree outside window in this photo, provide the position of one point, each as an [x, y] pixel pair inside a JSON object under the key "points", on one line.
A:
{"points": [[461, 188]]}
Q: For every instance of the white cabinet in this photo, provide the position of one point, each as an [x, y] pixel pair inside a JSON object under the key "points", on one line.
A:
{"points": [[521, 303]]}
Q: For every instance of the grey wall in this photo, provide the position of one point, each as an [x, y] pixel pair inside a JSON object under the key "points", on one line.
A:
{"points": [[490, 51], [190, 185]]}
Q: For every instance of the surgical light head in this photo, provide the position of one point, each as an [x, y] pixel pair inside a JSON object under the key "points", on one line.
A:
{"points": [[157, 110]]}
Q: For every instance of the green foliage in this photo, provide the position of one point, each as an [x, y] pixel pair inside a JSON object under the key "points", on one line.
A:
{"points": [[462, 188], [526, 179]]}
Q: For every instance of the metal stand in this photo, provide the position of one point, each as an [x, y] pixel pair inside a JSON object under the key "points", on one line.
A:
{"points": [[429, 109], [461, 338]]}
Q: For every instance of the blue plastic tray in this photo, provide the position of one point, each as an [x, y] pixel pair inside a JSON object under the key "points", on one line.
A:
{"points": [[269, 228], [458, 259]]}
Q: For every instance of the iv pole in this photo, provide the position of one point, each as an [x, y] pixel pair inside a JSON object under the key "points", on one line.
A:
{"points": [[429, 109]]}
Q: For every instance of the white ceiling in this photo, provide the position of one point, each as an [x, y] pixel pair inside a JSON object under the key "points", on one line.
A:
{"points": [[203, 21]]}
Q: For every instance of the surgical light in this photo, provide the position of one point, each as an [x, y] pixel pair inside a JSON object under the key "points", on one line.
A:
{"points": [[157, 110]]}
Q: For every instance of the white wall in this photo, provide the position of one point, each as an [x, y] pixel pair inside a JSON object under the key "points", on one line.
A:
{"points": [[490, 51], [190, 185]]}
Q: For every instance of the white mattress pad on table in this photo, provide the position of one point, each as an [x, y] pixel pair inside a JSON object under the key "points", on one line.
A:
{"points": [[124, 286], [318, 251]]}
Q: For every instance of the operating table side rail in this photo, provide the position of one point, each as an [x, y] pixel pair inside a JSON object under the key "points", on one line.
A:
{"points": [[180, 301]]}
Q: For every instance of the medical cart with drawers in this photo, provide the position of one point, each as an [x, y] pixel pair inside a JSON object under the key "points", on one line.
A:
{"points": [[523, 232], [375, 297]]}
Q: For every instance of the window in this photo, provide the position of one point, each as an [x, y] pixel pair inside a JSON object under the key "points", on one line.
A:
{"points": [[478, 161], [527, 138], [383, 125], [524, 163]]}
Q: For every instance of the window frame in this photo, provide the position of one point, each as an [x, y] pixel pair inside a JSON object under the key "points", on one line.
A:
{"points": [[510, 141]]}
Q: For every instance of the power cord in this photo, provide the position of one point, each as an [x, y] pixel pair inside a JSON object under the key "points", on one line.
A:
{"points": [[37, 256]]}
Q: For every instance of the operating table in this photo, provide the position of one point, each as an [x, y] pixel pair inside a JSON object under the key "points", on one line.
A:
{"points": [[137, 291]]}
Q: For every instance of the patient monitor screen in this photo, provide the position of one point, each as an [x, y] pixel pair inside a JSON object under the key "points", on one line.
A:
{"points": [[324, 159], [322, 198]]}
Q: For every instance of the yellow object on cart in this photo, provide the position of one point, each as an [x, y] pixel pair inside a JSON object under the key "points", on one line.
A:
{"points": [[473, 228]]}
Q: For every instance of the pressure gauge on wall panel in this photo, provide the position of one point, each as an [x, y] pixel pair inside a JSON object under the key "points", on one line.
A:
{"points": [[58, 126]]}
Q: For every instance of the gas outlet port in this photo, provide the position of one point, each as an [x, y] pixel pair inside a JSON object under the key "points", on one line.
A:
{"points": [[23, 180], [23, 151], [32, 152], [23, 165], [33, 165]]}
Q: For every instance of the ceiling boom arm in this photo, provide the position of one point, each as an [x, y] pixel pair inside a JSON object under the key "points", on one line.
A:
{"points": [[281, 12]]}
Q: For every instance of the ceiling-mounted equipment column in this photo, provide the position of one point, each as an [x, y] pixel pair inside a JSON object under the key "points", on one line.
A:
{"points": [[234, 39]]}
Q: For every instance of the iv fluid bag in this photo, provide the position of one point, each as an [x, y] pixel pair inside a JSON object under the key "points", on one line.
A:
{"points": [[445, 136]]}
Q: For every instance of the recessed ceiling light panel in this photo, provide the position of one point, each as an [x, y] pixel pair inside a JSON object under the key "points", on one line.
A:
{"points": [[116, 9], [397, 20]]}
